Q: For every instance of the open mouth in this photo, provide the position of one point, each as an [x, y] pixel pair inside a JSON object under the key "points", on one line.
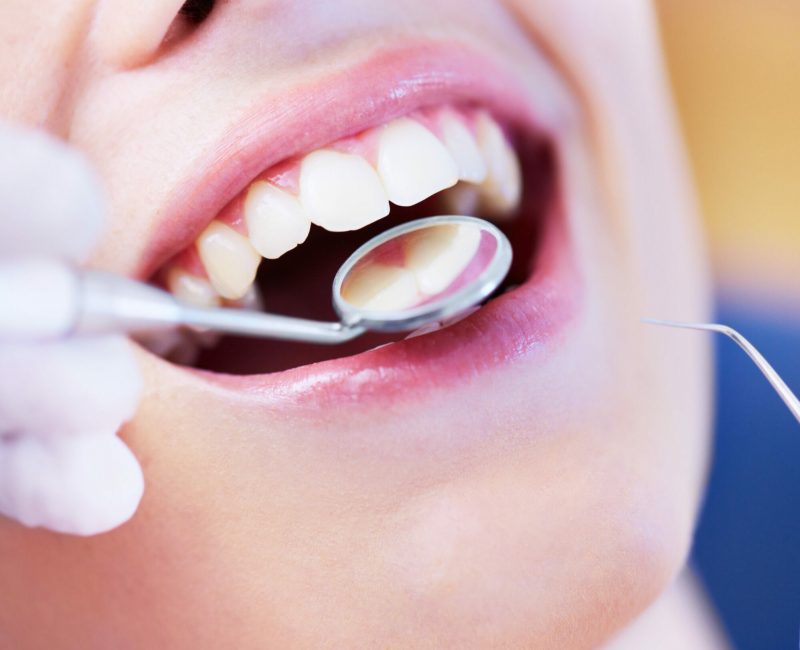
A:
{"points": [[277, 244]]}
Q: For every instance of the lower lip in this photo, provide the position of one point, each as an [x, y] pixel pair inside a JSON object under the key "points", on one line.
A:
{"points": [[525, 324]]}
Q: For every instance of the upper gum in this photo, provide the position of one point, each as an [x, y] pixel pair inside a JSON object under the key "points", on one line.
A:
{"points": [[286, 174]]}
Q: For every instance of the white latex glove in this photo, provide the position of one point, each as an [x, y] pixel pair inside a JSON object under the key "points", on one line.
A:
{"points": [[62, 466]]}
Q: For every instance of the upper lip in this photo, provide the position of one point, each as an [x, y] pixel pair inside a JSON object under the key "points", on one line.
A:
{"points": [[386, 85]]}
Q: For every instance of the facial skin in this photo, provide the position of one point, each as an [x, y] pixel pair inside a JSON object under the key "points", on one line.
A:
{"points": [[267, 525]]}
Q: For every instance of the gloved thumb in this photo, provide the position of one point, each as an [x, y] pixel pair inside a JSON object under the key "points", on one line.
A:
{"points": [[50, 201]]}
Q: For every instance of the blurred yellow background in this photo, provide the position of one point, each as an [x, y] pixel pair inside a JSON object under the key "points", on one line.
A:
{"points": [[736, 71]]}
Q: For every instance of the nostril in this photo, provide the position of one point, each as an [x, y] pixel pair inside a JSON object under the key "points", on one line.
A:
{"points": [[196, 11], [190, 16]]}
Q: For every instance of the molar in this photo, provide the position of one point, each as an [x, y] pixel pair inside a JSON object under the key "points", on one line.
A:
{"points": [[341, 191], [412, 163], [229, 259], [276, 221], [463, 146], [191, 289], [502, 189]]}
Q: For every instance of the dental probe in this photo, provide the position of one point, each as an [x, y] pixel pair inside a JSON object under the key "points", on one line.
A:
{"points": [[44, 299], [784, 392]]}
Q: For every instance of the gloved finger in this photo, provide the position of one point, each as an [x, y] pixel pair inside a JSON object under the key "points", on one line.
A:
{"points": [[50, 201], [68, 388], [79, 486]]}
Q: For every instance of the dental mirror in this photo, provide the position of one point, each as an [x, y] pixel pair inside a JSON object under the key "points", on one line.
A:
{"points": [[420, 272], [417, 273]]}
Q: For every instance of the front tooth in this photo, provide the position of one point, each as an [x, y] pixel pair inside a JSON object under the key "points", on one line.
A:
{"points": [[229, 259], [463, 146], [439, 256], [191, 289], [502, 188], [380, 287], [341, 191], [276, 222], [412, 163]]}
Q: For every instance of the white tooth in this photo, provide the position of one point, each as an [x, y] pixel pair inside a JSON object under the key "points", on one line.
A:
{"points": [[441, 255], [229, 259], [191, 289], [413, 164], [341, 191], [276, 222], [463, 146], [502, 188], [381, 288], [462, 199]]}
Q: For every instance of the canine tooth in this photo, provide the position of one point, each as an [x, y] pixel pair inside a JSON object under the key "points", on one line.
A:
{"points": [[341, 191], [502, 188], [439, 256], [462, 199], [229, 259], [381, 288], [191, 289], [276, 222], [413, 163], [463, 146]]}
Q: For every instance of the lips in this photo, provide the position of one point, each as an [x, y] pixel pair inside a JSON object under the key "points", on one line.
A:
{"points": [[389, 87]]}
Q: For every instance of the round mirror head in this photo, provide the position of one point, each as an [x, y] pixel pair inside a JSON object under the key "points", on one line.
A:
{"points": [[423, 271]]}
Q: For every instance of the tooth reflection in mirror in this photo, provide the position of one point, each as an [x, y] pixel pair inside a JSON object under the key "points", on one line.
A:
{"points": [[422, 271]]}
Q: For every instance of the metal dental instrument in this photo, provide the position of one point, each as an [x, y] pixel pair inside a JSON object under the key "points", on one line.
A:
{"points": [[784, 392], [473, 259]]}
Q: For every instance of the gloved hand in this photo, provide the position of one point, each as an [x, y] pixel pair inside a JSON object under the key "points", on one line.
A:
{"points": [[62, 466]]}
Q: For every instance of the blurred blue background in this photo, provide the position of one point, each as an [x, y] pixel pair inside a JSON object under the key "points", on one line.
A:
{"points": [[747, 549], [735, 69]]}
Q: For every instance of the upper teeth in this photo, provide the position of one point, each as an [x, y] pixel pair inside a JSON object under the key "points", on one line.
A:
{"points": [[276, 221], [463, 146], [341, 191], [229, 258], [502, 188], [346, 191], [192, 289], [413, 163]]}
